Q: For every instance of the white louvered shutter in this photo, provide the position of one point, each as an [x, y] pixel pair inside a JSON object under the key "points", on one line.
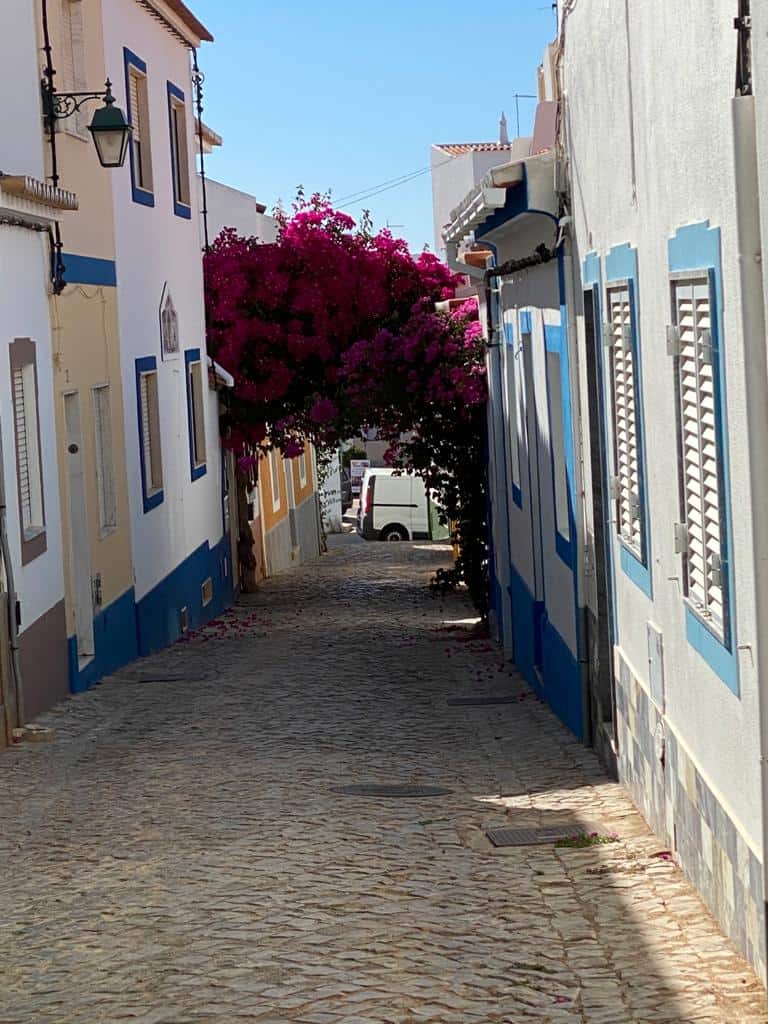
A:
{"points": [[626, 484], [700, 467], [72, 61], [147, 397], [22, 448], [105, 475], [135, 105]]}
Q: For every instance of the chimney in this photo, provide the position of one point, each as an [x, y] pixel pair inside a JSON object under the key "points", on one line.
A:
{"points": [[503, 133]]}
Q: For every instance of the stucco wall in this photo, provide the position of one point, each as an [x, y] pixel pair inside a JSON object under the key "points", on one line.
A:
{"points": [[230, 208], [649, 122], [21, 141], [155, 249], [24, 314]]}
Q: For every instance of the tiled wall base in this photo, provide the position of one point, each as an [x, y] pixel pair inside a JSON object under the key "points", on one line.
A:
{"points": [[681, 809]]}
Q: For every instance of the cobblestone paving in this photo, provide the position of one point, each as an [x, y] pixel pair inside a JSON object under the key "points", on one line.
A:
{"points": [[178, 854]]}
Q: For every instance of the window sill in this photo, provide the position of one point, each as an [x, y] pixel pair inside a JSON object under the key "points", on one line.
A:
{"points": [[720, 658], [152, 500], [199, 470], [632, 567], [107, 531], [33, 533], [143, 196], [182, 210]]}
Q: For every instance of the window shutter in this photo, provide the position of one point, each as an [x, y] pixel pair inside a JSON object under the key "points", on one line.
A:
{"points": [[105, 477], [625, 415], [135, 105], [699, 461], [22, 448]]}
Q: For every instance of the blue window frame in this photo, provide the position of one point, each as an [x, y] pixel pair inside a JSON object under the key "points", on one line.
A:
{"points": [[624, 380], [195, 412], [148, 417], [177, 129], [695, 263], [137, 108]]}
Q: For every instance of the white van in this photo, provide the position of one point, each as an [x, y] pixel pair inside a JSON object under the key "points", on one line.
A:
{"points": [[392, 507]]}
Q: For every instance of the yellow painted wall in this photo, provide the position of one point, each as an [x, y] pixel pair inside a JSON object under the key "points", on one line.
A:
{"points": [[86, 354], [86, 341], [271, 519]]}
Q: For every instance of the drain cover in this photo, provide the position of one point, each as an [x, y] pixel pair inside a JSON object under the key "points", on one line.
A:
{"points": [[479, 701], [396, 792], [535, 836]]}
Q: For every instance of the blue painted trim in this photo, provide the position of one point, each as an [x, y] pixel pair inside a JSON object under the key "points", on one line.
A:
{"points": [[621, 265], [555, 343], [180, 209], [717, 656], [89, 270], [592, 280], [192, 355], [544, 659], [525, 322], [697, 247], [115, 640], [143, 365], [142, 196], [158, 621], [509, 337]]}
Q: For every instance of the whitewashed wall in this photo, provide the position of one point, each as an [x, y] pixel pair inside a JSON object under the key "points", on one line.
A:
{"points": [[154, 247], [230, 208], [24, 314], [649, 122], [21, 138]]}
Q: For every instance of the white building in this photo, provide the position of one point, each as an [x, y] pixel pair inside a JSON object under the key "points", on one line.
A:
{"points": [[29, 207], [628, 463], [230, 208], [182, 558]]}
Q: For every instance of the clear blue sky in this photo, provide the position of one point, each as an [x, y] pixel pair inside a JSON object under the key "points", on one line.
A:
{"points": [[346, 95]]}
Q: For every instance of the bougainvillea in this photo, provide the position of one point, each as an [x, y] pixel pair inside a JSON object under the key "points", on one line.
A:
{"points": [[333, 329]]}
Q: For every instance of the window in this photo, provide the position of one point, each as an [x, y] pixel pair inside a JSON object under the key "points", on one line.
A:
{"points": [[274, 480], [196, 412], [560, 438], [700, 535], [177, 118], [626, 482], [149, 432], [28, 455], [303, 468], [72, 63], [138, 115], [105, 474], [169, 326]]}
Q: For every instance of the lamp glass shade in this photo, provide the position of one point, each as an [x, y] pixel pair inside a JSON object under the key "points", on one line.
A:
{"points": [[111, 134]]}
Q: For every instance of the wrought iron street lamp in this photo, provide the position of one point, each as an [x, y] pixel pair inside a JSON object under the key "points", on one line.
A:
{"points": [[109, 129]]}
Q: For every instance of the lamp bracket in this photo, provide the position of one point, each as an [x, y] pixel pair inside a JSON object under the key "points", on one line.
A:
{"points": [[60, 105]]}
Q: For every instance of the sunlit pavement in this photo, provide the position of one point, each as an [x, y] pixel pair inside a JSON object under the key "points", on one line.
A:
{"points": [[180, 853]]}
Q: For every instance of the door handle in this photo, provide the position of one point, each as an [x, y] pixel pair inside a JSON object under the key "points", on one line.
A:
{"points": [[73, 449]]}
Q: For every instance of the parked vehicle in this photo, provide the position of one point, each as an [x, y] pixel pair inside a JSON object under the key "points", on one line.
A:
{"points": [[346, 490], [392, 508]]}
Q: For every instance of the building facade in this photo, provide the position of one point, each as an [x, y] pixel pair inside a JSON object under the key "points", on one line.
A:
{"points": [[627, 422], [87, 370], [32, 572], [176, 495]]}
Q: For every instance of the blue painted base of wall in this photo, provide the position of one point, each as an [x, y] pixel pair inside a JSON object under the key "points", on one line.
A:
{"points": [[543, 658], [114, 633], [158, 613], [128, 629]]}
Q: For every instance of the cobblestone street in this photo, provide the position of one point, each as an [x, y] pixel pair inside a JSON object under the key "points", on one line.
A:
{"points": [[179, 853]]}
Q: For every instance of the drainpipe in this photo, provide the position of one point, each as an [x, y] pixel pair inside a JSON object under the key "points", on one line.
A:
{"points": [[756, 385]]}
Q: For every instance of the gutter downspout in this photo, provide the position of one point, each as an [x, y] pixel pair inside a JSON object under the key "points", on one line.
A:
{"points": [[756, 385]]}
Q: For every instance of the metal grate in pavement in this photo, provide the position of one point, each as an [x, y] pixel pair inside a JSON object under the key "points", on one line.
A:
{"points": [[536, 836], [479, 701], [392, 791]]}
